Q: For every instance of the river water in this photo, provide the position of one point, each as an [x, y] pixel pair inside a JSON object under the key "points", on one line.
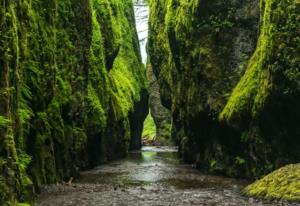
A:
{"points": [[153, 176]]}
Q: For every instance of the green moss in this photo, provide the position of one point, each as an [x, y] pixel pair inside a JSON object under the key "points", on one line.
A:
{"points": [[219, 87], [66, 66], [124, 86], [277, 38], [95, 107], [283, 184], [77, 137], [252, 89], [6, 192]]}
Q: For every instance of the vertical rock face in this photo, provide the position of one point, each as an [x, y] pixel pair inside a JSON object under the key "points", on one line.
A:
{"points": [[160, 114], [265, 101], [226, 117], [72, 85], [137, 117]]}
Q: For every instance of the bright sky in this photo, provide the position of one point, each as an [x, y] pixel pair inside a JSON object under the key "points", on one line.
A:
{"points": [[141, 16]]}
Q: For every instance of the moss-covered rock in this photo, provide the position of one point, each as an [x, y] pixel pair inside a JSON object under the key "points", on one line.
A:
{"points": [[71, 74], [263, 104], [198, 51], [283, 184], [233, 91]]}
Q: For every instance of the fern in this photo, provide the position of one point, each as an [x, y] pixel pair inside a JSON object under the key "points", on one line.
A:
{"points": [[23, 160], [24, 111], [4, 121]]}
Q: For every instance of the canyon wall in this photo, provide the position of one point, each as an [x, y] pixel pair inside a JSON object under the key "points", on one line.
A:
{"points": [[161, 115], [72, 85], [229, 73]]}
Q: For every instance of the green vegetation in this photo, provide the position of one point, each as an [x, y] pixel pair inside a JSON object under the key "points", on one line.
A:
{"points": [[198, 57], [233, 93], [4, 121], [277, 41], [73, 89], [150, 134], [149, 131], [71, 73], [283, 184]]}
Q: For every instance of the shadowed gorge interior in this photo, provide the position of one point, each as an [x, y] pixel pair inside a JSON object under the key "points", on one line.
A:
{"points": [[86, 82], [229, 84]]}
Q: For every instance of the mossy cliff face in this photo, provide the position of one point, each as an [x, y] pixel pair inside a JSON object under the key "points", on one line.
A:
{"points": [[232, 113], [264, 104], [71, 75]]}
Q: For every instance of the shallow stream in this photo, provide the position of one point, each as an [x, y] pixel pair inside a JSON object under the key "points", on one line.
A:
{"points": [[152, 176]]}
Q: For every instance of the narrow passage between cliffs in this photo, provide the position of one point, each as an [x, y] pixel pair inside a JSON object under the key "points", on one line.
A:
{"points": [[153, 175]]}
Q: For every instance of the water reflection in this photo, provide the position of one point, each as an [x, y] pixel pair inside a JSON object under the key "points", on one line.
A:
{"points": [[155, 166], [148, 156], [150, 165]]}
